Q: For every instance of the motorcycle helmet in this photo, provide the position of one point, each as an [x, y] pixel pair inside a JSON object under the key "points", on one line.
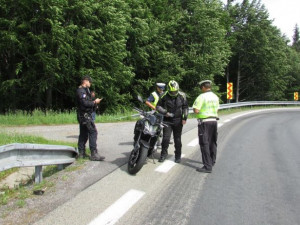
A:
{"points": [[173, 88]]}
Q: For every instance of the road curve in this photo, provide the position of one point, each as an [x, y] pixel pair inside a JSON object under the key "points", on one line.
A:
{"points": [[257, 178], [255, 181]]}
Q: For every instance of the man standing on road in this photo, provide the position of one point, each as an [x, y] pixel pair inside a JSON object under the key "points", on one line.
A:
{"points": [[174, 106], [206, 108], [87, 126], [154, 97]]}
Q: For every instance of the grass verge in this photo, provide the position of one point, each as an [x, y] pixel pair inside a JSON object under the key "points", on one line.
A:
{"points": [[38, 117]]}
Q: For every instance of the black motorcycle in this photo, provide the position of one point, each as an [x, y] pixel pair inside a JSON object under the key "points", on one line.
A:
{"points": [[146, 133]]}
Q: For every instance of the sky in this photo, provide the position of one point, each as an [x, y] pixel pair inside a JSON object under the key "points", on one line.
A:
{"points": [[286, 14]]}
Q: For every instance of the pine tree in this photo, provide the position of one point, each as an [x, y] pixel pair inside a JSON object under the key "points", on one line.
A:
{"points": [[296, 39]]}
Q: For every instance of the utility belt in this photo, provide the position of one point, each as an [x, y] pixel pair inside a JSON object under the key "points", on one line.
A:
{"points": [[85, 118], [209, 119]]}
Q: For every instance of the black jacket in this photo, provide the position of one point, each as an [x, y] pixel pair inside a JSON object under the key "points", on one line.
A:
{"points": [[177, 105], [85, 104]]}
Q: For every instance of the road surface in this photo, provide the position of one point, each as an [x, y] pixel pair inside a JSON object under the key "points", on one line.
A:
{"points": [[255, 181]]}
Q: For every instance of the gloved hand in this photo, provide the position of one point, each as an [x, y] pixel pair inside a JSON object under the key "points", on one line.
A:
{"points": [[169, 114]]}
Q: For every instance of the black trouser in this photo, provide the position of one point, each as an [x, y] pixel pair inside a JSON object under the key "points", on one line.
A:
{"points": [[177, 130], [87, 131], [208, 135]]}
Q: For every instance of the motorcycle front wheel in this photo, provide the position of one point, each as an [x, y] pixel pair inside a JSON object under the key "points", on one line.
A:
{"points": [[137, 160]]}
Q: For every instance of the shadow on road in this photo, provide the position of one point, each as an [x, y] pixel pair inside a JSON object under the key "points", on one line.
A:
{"points": [[73, 136], [126, 143], [191, 163]]}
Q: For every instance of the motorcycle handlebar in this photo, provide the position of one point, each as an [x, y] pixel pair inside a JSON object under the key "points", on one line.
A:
{"points": [[142, 112]]}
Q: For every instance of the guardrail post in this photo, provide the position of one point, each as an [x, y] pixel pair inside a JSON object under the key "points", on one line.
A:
{"points": [[38, 174], [60, 167]]}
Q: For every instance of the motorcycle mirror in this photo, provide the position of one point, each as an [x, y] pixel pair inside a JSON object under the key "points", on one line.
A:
{"points": [[140, 98]]}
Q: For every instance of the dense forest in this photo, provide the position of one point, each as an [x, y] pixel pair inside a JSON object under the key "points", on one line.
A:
{"points": [[126, 46]]}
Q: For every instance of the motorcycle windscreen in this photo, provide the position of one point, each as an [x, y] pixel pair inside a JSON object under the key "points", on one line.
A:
{"points": [[152, 120]]}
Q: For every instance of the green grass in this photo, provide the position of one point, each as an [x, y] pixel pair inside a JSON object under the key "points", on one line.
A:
{"points": [[117, 117], [21, 193], [38, 117], [6, 173], [8, 138]]}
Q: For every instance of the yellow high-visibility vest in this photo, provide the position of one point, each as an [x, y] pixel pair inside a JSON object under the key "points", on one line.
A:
{"points": [[208, 104], [156, 98]]}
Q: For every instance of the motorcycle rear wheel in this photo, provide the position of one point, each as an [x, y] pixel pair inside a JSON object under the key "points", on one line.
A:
{"points": [[137, 160]]}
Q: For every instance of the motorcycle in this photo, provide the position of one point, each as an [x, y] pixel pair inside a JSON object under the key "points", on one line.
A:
{"points": [[146, 134]]}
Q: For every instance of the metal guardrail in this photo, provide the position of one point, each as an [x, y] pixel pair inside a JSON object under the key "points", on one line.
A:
{"points": [[254, 103], [244, 104], [37, 155], [257, 103]]}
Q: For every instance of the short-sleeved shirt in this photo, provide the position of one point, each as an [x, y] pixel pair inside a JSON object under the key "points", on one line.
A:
{"points": [[208, 104]]}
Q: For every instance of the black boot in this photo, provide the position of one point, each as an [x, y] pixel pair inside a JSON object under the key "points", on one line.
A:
{"points": [[96, 157], [162, 159], [82, 154]]}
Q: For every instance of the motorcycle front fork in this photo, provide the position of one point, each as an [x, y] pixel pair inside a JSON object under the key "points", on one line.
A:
{"points": [[137, 145]]}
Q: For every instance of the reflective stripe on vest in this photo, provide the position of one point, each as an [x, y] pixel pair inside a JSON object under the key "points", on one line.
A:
{"points": [[156, 98]]}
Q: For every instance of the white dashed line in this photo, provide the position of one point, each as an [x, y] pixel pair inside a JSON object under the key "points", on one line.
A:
{"points": [[113, 213], [226, 121], [220, 124], [193, 143], [167, 165]]}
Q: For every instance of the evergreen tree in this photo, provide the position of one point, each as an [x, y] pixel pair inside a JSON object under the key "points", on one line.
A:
{"points": [[259, 55], [296, 39], [46, 46]]}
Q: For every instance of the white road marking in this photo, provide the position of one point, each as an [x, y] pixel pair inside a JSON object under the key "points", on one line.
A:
{"points": [[113, 213], [220, 124], [167, 165], [194, 142], [226, 121], [244, 114]]}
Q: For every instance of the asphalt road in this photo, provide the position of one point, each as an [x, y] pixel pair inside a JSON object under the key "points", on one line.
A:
{"points": [[255, 181], [257, 178]]}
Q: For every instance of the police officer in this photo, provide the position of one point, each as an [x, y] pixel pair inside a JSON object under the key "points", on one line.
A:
{"points": [[174, 106], [87, 126], [153, 100], [206, 108], [154, 97]]}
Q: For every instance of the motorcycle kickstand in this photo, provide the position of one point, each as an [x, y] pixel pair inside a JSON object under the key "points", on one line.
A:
{"points": [[153, 158]]}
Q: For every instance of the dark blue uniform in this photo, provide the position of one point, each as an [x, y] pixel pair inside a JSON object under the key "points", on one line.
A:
{"points": [[87, 126]]}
